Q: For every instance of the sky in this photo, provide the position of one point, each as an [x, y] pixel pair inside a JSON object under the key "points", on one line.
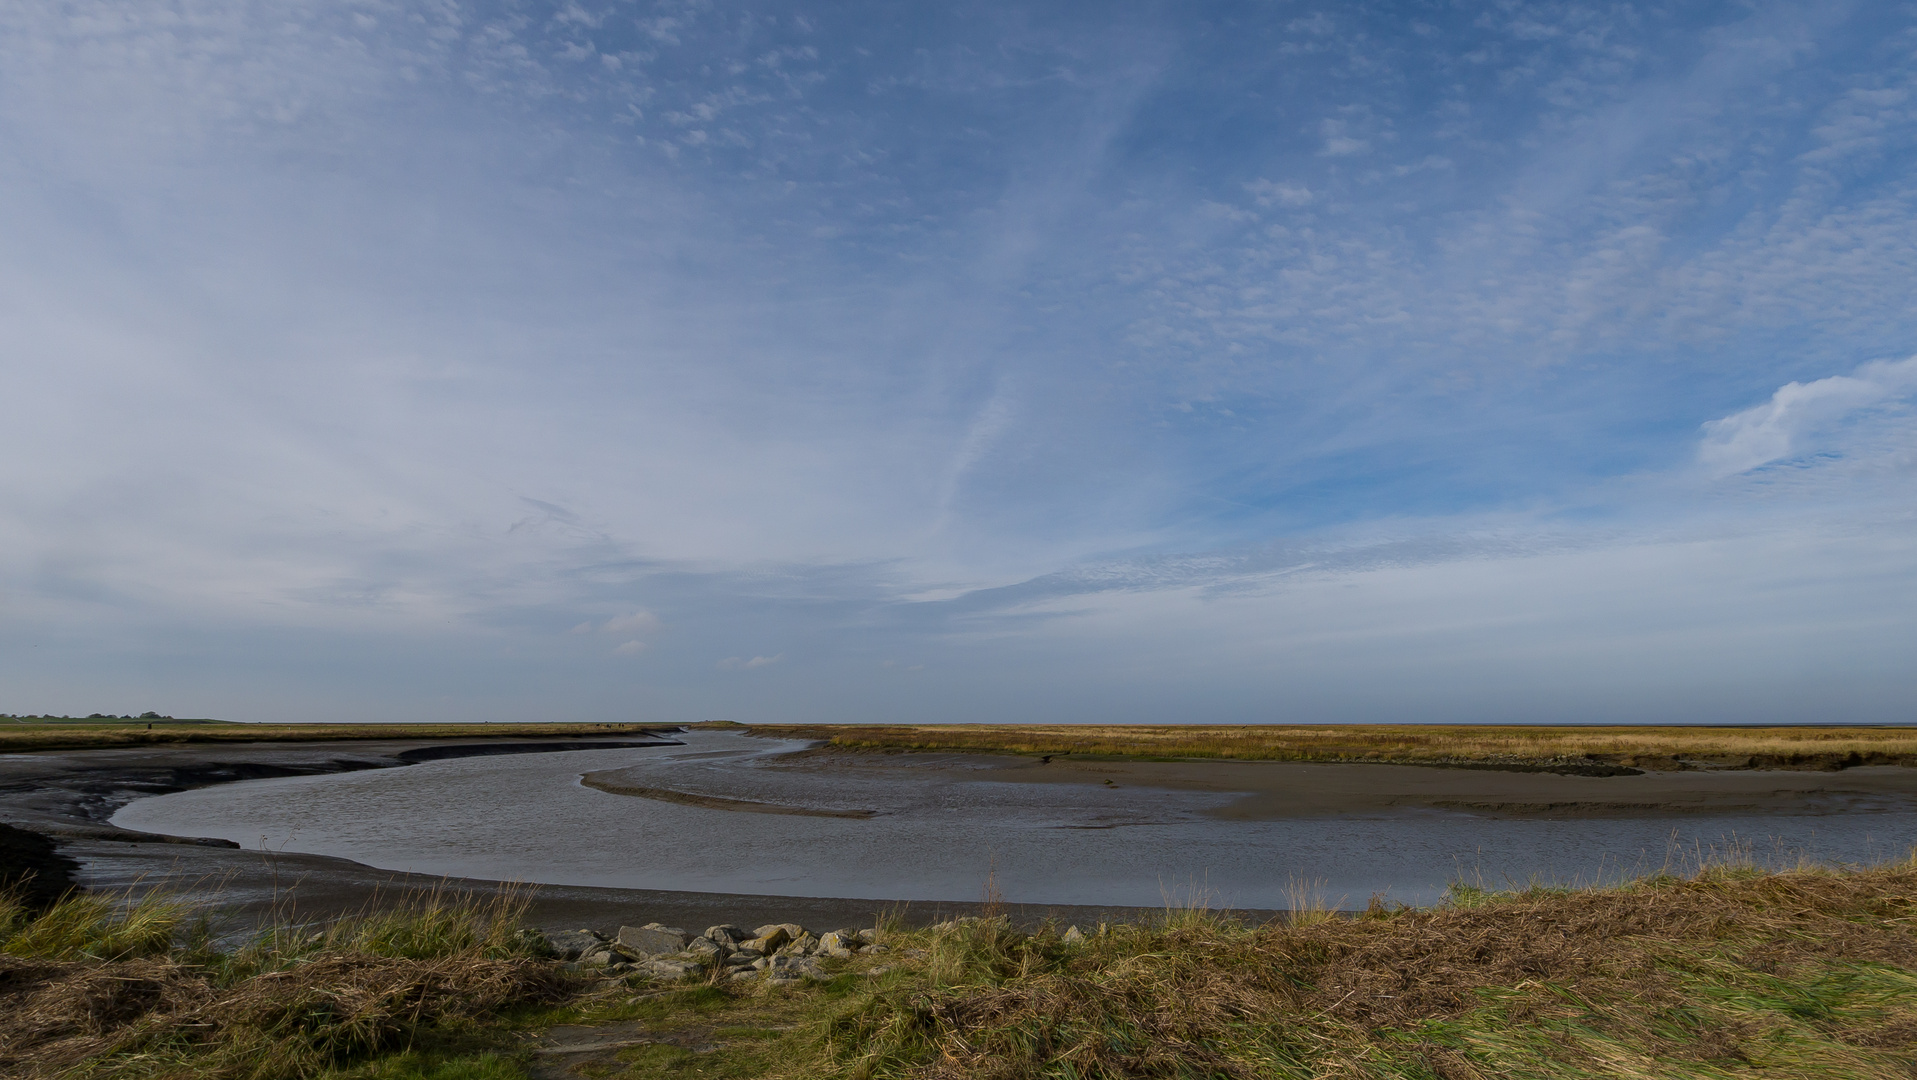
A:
{"points": [[1107, 362]]}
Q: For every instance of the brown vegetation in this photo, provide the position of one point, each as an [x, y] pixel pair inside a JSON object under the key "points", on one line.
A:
{"points": [[160, 1015], [1731, 972], [105, 986], [1481, 744], [1796, 974]]}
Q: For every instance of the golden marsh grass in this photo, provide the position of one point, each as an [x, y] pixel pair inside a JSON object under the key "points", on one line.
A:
{"points": [[1643, 747]]}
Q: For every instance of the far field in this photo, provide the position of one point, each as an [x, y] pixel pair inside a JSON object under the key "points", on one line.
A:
{"points": [[61, 733], [1638, 747], [1463, 744]]}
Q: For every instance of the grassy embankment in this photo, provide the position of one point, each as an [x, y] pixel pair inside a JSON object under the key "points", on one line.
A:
{"points": [[94, 987], [1640, 747], [1730, 972], [36, 733]]}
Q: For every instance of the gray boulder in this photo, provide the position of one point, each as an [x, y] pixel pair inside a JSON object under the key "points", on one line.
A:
{"points": [[1073, 936], [706, 949], [726, 934], [600, 957], [790, 969], [573, 944], [653, 939], [669, 970]]}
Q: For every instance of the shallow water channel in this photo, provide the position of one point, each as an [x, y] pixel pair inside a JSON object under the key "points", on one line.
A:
{"points": [[940, 826]]}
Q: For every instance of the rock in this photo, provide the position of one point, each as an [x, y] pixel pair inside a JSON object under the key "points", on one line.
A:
{"points": [[653, 939], [869, 935], [767, 939], [792, 929], [743, 974], [573, 944], [670, 970], [794, 968], [1073, 936], [740, 960], [704, 948], [840, 944], [533, 942], [726, 934], [598, 958], [803, 944]]}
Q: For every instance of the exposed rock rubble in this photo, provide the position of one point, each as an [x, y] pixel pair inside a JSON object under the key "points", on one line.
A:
{"points": [[777, 953]]}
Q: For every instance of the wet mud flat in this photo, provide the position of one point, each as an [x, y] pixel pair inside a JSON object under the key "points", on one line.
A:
{"points": [[1283, 790], [1269, 790]]}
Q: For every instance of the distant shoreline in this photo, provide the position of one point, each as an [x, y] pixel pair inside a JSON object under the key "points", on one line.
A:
{"points": [[1570, 749], [1567, 749], [17, 736]]}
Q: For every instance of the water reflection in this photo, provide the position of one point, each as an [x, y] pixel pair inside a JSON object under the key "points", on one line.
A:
{"points": [[941, 824]]}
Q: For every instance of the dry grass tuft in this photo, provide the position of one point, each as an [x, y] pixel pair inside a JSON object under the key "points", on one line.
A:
{"points": [[99, 986], [166, 1017], [1803, 973]]}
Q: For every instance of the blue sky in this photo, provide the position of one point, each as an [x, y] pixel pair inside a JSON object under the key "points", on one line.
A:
{"points": [[1185, 362]]}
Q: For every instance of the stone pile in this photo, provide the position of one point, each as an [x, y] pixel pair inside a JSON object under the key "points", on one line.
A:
{"points": [[776, 952]]}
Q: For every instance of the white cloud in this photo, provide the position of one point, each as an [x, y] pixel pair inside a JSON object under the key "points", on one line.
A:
{"points": [[631, 648], [1338, 143], [735, 663], [1789, 422], [642, 623], [1268, 192]]}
